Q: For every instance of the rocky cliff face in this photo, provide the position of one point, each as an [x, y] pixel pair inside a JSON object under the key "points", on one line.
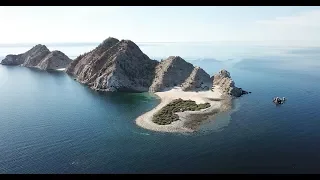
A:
{"points": [[40, 57], [198, 80], [12, 60], [121, 66], [54, 60], [77, 65], [171, 72], [115, 66], [34, 56], [175, 71], [227, 85]]}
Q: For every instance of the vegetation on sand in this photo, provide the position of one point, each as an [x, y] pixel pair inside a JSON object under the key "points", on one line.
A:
{"points": [[167, 114]]}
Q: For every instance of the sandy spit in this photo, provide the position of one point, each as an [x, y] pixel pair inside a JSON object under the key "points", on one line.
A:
{"points": [[215, 98]]}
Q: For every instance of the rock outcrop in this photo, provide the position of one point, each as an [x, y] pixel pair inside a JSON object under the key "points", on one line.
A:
{"points": [[34, 56], [198, 80], [121, 66], [12, 60], [40, 57], [175, 71], [54, 60], [171, 72], [227, 85], [77, 65], [115, 66]]}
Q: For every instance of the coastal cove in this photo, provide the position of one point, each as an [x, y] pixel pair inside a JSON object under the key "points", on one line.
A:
{"points": [[53, 124]]}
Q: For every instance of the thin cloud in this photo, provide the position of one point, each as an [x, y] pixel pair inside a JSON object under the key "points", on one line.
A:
{"points": [[304, 19]]}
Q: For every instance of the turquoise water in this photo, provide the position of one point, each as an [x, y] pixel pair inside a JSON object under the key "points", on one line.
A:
{"points": [[49, 123]]}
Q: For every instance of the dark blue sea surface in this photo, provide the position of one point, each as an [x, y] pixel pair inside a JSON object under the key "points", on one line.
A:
{"points": [[50, 123]]}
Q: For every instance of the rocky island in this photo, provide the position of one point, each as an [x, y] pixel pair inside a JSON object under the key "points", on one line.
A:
{"points": [[184, 90], [38, 57]]}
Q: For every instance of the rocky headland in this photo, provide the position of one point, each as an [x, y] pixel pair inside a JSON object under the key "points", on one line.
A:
{"points": [[226, 84], [40, 57], [121, 66], [114, 66]]}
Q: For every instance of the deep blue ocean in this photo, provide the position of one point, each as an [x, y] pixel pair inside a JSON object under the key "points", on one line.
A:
{"points": [[50, 123]]}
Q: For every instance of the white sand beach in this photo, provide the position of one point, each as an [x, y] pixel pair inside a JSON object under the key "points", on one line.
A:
{"points": [[166, 97], [61, 69]]}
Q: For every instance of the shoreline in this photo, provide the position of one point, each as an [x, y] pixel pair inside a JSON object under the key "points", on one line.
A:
{"points": [[188, 120]]}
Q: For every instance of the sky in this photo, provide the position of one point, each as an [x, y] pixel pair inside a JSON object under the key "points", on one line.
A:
{"points": [[271, 25]]}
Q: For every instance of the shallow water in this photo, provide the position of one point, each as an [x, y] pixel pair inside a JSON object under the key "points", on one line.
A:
{"points": [[52, 124]]}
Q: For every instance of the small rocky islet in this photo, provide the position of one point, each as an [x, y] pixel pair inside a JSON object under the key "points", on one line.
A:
{"points": [[120, 66], [40, 57]]}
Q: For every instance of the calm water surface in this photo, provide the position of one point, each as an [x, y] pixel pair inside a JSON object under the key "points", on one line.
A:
{"points": [[49, 123]]}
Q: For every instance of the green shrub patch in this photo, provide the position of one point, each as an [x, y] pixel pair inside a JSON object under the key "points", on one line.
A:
{"points": [[167, 114]]}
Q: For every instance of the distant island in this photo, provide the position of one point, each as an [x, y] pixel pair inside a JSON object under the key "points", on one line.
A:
{"points": [[120, 66], [39, 57]]}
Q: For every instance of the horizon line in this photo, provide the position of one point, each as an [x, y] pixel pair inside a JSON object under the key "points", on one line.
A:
{"points": [[92, 42], [273, 43]]}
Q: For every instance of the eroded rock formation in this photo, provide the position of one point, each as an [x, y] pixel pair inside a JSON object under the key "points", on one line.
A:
{"points": [[227, 85], [40, 57]]}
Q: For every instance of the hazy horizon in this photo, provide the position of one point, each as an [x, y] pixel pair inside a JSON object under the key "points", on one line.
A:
{"points": [[285, 26], [293, 43]]}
